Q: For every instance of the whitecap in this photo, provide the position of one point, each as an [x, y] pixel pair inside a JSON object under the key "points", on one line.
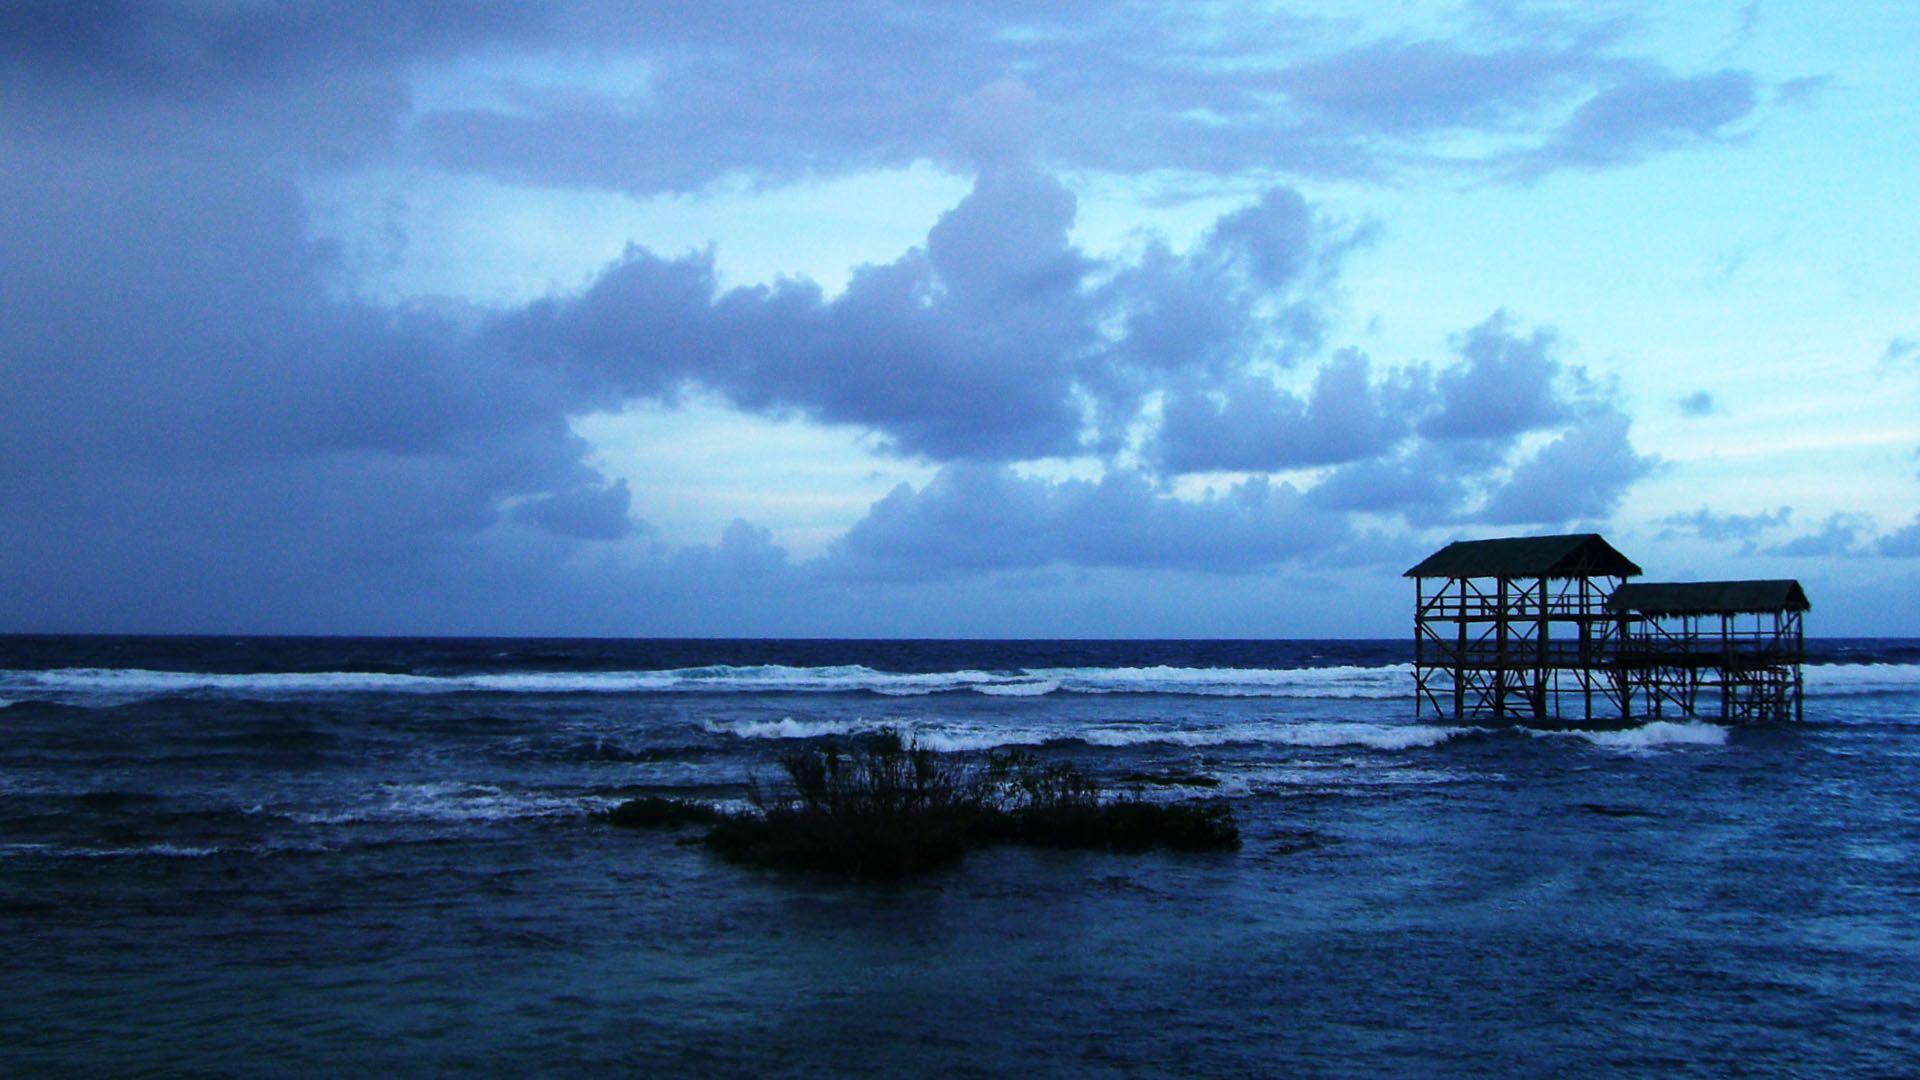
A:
{"points": [[454, 803], [1310, 734], [1343, 681], [1648, 735], [1833, 680], [163, 849], [787, 728], [1037, 688]]}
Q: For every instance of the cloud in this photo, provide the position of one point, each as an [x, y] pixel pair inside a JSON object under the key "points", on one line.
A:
{"points": [[1641, 116], [1428, 483], [1699, 403], [1411, 86], [1838, 535], [1802, 90], [1445, 448], [202, 425], [1707, 525], [959, 350], [981, 518], [170, 314], [1746, 529], [180, 45], [714, 92], [991, 342], [1582, 474], [1901, 543], [1900, 350], [1410, 440], [997, 126], [746, 552], [1251, 424], [593, 511], [1506, 387], [591, 93], [220, 398]]}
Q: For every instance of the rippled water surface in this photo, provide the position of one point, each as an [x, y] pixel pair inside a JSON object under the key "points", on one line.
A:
{"points": [[226, 855]]}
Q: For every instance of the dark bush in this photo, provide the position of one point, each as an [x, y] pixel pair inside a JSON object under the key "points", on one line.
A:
{"points": [[888, 808]]}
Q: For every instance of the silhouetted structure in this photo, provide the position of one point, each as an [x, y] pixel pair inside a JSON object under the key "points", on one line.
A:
{"points": [[1529, 625], [1505, 626]]}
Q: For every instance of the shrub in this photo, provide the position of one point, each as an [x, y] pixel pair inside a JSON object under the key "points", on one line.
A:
{"points": [[888, 808]]}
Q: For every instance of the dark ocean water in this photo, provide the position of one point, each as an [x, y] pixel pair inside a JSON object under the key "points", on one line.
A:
{"points": [[226, 856]]}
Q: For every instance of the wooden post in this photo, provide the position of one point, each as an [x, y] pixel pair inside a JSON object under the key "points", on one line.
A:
{"points": [[1540, 675], [1419, 644], [1460, 657], [1501, 658]]}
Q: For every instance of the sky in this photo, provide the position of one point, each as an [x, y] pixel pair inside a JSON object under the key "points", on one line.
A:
{"points": [[929, 319]]}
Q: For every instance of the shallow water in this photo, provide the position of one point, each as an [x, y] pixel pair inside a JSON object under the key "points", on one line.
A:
{"points": [[332, 855]]}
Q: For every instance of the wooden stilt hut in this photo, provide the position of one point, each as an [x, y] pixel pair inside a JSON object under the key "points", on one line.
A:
{"points": [[1512, 626], [1547, 628], [1731, 648]]}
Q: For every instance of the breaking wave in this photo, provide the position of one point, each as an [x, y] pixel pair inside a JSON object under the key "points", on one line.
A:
{"points": [[69, 851], [946, 736], [1648, 735], [1385, 681], [1352, 682], [1837, 680], [452, 803]]}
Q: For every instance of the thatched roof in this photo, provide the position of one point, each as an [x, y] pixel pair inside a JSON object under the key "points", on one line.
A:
{"points": [[1574, 555], [1709, 597]]}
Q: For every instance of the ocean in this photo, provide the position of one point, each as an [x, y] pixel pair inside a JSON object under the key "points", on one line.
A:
{"points": [[229, 856]]}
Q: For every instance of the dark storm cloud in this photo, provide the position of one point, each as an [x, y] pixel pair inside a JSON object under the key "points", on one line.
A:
{"points": [[187, 45], [202, 428], [307, 84], [196, 418], [198, 426], [160, 310]]}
